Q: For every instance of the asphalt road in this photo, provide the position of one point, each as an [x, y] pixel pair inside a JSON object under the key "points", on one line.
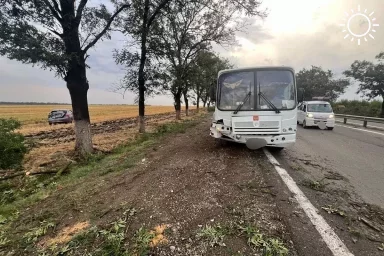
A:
{"points": [[355, 153]]}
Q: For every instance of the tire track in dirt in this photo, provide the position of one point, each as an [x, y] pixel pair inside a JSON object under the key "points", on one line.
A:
{"points": [[67, 134]]}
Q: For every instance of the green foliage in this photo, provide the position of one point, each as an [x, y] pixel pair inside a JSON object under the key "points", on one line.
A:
{"points": [[315, 82], [214, 234], [211, 109], [12, 148], [142, 239], [3, 239], [39, 231], [34, 32], [203, 73], [268, 246], [114, 237], [175, 127], [370, 77], [189, 28], [358, 108]]}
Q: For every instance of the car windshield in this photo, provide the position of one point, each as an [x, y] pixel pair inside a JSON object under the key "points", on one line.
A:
{"points": [[57, 113], [275, 85], [325, 108]]}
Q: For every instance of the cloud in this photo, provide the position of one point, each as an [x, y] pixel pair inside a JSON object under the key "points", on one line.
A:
{"points": [[298, 33], [305, 33]]}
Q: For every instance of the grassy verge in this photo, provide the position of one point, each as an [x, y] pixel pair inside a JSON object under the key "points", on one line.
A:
{"points": [[19, 194]]}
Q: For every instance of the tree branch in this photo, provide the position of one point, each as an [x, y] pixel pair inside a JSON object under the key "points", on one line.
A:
{"points": [[80, 9], [53, 11], [56, 6], [55, 32], [157, 11], [94, 41]]}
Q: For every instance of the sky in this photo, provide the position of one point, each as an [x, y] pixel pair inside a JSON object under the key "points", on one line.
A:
{"points": [[296, 33]]}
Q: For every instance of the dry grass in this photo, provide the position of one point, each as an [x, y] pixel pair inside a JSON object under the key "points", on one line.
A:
{"points": [[65, 235], [34, 117]]}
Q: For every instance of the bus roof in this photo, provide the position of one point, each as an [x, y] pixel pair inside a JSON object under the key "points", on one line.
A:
{"points": [[257, 67]]}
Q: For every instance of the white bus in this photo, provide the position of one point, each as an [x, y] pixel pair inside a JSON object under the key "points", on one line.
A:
{"points": [[256, 106]]}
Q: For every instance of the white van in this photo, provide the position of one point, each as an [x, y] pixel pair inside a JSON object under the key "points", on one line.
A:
{"points": [[311, 113]]}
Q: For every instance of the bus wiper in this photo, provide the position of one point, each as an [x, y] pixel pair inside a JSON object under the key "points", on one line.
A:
{"points": [[242, 103], [269, 102]]}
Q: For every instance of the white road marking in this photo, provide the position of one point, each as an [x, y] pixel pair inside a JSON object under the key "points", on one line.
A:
{"points": [[333, 242], [353, 128]]}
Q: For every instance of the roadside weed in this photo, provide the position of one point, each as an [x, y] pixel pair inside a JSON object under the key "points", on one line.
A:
{"points": [[333, 210], [258, 241], [318, 185], [142, 240], [274, 247], [214, 234], [39, 231]]}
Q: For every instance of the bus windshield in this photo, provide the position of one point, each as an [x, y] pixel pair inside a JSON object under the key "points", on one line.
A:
{"points": [[277, 86]]}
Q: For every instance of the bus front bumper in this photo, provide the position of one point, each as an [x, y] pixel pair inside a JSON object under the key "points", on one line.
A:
{"points": [[273, 140]]}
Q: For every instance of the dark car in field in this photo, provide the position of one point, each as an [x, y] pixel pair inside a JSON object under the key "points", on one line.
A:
{"points": [[60, 116]]}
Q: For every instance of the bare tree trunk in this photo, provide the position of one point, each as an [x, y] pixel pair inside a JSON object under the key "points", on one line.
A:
{"points": [[177, 98], [141, 74], [78, 92], [382, 108], [77, 83], [185, 94], [197, 103], [204, 102]]}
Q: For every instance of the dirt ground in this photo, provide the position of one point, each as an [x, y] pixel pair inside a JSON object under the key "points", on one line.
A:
{"points": [[186, 182], [50, 147]]}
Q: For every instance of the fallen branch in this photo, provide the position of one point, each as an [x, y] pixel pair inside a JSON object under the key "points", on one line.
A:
{"points": [[12, 176], [58, 173], [5, 171], [370, 224]]}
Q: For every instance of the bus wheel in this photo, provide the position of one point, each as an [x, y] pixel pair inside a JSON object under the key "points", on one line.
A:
{"points": [[276, 149]]}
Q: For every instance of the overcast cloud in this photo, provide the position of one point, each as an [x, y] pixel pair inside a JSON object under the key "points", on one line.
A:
{"points": [[297, 33]]}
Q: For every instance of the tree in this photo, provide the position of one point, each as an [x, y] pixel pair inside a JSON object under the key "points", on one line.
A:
{"points": [[370, 77], [142, 74], [56, 35], [315, 82], [204, 72], [12, 148], [190, 26]]}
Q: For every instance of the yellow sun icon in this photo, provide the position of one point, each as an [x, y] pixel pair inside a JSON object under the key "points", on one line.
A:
{"points": [[367, 18]]}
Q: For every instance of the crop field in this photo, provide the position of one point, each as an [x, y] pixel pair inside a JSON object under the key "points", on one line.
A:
{"points": [[34, 117], [112, 125]]}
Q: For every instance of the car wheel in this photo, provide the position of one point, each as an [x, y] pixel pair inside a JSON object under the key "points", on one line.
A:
{"points": [[330, 128], [50, 123], [305, 125]]}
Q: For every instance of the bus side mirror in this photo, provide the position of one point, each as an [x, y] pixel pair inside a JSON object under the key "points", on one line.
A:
{"points": [[300, 94], [213, 92]]}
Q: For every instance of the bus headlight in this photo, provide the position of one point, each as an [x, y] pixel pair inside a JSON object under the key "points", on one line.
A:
{"points": [[331, 116], [309, 115]]}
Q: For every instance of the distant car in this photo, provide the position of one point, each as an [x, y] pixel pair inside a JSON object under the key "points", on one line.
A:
{"points": [[60, 116], [311, 113]]}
